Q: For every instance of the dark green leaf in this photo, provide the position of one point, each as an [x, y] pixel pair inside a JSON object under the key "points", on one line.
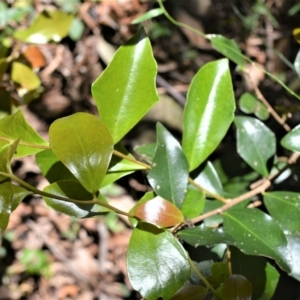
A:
{"points": [[3, 66], [49, 25], [125, 91], [146, 151], [205, 236], [256, 143], [52, 168], [294, 248], [228, 48], [209, 179], [84, 145], [10, 197], [155, 12], [208, 112], [190, 292], [15, 127], [73, 190], [236, 287], [256, 233], [158, 212], [250, 104], [194, 203], [157, 264], [285, 208], [170, 171], [5, 103], [219, 273], [291, 140], [263, 276]]}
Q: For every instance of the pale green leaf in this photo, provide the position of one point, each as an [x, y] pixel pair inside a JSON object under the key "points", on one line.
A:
{"points": [[125, 91], [155, 12], [208, 112], [291, 140]]}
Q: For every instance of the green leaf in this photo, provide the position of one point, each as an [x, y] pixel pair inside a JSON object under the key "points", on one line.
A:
{"points": [[10, 197], [236, 287], [170, 171], [291, 140], [120, 167], [76, 29], [208, 112], [158, 212], [263, 276], [52, 168], [190, 292], [157, 264], [5, 103], [209, 179], [6, 154], [285, 208], [250, 104], [24, 76], [228, 48], [15, 127], [215, 220], [73, 190], [3, 66], [193, 203], [84, 145], [256, 233], [219, 273], [294, 248], [146, 151], [155, 12], [297, 63], [125, 91], [49, 25], [256, 143], [205, 236]]}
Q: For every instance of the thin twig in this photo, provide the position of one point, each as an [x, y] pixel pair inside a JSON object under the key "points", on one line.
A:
{"points": [[261, 97]]}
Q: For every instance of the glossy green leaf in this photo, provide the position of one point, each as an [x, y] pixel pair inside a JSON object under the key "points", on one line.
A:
{"points": [[52, 168], [208, 112], [193, 203], [219, 273], [125, 91], [209, 179], [284, 207], [6, 154], [256, 233], [262, 274], [73, 190], [158, 212], [49, 25], [157, 264], [24, 76], [250, 104], [15, 127], [10, 197], [170, 171], [205, 236], [256, 143], [297, 63], [190, 292], [155, 12], [120, 167], [294, 248], [291, 140], [84, 145], [236, 287], [228, 48]]}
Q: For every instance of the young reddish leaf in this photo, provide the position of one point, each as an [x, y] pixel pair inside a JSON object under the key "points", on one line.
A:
{"points": [[125, 91], [84, 145], [159, 212], [209, 111], [236, 287], [35, 56], [157, 264]]}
